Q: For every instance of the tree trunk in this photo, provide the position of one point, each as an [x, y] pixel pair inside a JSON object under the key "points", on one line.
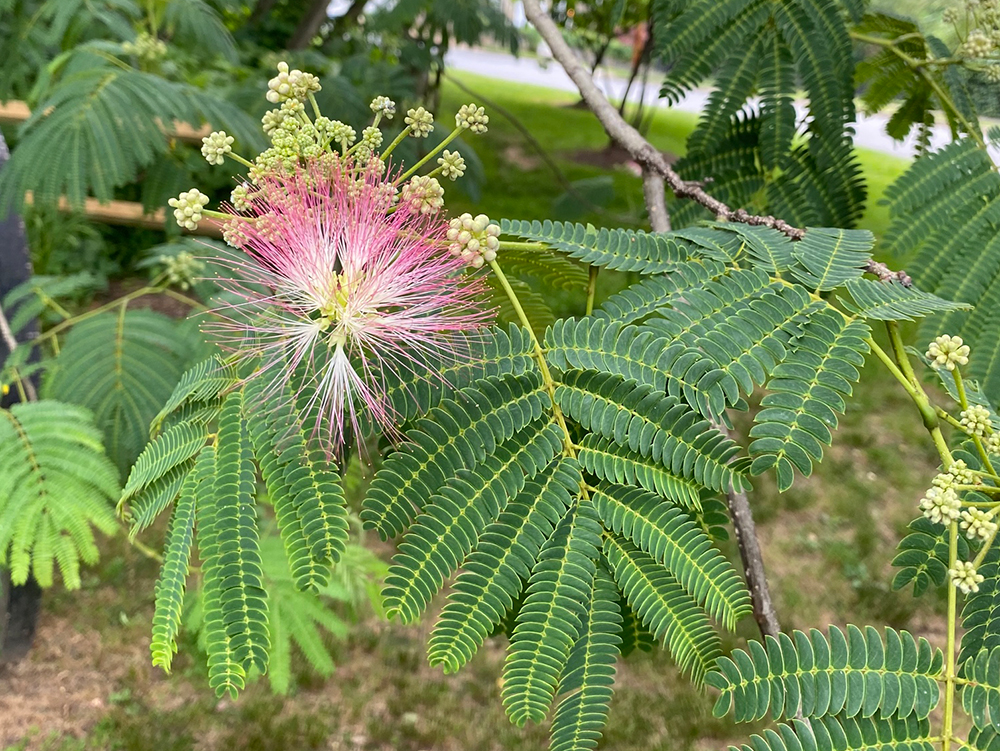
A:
{"points": [[18, 605], [309, 26]]}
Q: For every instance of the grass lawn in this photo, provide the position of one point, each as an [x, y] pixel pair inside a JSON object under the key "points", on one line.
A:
{"points": [[838, 527]]}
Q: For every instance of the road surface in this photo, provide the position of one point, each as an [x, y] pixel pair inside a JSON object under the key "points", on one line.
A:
{"points": [[869, 130]]}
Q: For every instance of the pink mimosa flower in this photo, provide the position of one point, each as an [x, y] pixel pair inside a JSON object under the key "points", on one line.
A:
{"points": [[341, 296]]}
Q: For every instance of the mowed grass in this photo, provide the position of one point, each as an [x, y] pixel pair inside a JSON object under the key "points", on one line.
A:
{"points": [[828, 542]]}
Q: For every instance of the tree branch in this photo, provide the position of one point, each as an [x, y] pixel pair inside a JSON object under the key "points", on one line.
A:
{"points": [[656, 201], [656, 173]]}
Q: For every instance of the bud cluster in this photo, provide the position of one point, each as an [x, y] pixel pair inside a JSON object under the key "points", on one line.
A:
{"points": [[976, 420], [978, 524], [472, 117], [145, 47], [423, 194], [188, 208], [941, 506], [474, 239], [291, 84], [421, 122], [181, 269], [215, 146], [947, 352], [964, 576]]}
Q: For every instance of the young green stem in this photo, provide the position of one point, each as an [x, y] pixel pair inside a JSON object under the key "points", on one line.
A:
{"points": [[543, 366], [430, 155], [949, 674], [396, 141], [592, 288]]}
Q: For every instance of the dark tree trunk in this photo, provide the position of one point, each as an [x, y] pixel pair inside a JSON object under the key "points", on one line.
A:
{"points": [[261, 11], [18, 605], [308, 27]]}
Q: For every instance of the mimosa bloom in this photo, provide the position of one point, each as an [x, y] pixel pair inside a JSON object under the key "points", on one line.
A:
{"points": [[340, 298]]}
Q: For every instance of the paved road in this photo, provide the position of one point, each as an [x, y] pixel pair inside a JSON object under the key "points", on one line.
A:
{"points": [[869, 131]]}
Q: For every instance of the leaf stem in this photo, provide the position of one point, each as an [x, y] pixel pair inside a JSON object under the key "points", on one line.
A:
{"points": [[949, 675], [430, 155], [543, 366], [592, 288]]}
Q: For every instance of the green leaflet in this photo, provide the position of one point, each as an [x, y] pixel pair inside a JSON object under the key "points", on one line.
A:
{"points": [[303, 484], [830, 257], [856, 674], [618, 249], [846, 734], [169, 451], [493, 352], [235, 563], [617, 464], [200, 385], [674, 541], [448, 527], [589, 675], [655, 292], [664, 607], [550, 621], [652, 425], [981, 614], [922, 556], [56, 484], [807, 391], [891, 301], [172, 582], [495, 572], [123, 367], [459, 433], [651, 359]]}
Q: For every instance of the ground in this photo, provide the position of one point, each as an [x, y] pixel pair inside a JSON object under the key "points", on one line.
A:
{"points": [[88, 684]]}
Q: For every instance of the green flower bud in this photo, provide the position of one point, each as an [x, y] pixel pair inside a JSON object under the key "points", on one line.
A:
{"points": [[452, 164], [948, 351], [384, 106], [964, 576], [187, 208], [215, 146], [976, 420], [423, 194], [421, 122], [472, 117]]}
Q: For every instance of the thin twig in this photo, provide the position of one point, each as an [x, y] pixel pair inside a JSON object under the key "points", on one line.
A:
{"points": [[653, 163], [648, 156], [8, 339], [656, 201], [521, 128]]}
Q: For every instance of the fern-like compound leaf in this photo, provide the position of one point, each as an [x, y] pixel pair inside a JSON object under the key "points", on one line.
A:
{"points": [[123, 367], [235, 565], [551, 269], [449, 526], [653, 359], [652, 425], [617, 249], [458, 434], [587, 680], [673, 540], [303, 484], [549, 623], [494, 574], [891, 301], [830, 257], [664, 607], [922, 556], [56, 485], [846, 734], [171, 584], [617, 464], [493, 352], [807, 391], [854, 674]]}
